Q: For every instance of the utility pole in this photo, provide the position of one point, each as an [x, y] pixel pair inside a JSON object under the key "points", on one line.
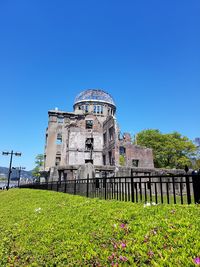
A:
{"points": [[19, 169], [10, 166]]}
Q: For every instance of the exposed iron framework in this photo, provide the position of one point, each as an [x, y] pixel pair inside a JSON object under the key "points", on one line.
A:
{"points": [[94, 95]]}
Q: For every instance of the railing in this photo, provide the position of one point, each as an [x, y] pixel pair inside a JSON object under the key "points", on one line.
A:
{"points": [[184, 189]]}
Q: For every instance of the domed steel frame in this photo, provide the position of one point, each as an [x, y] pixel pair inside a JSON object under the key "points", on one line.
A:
{"points": [[95, 95]]}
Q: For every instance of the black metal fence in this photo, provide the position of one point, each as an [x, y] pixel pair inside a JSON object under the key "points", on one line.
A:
{"points": [[184, 189]]}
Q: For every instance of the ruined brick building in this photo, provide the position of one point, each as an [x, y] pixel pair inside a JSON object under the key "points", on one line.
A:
{"points": [[87, 141]]}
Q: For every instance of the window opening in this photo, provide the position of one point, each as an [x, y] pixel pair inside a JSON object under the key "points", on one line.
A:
{"points": [[111, 134], [110, 157], [135, 162], [89, 161], [59, 139], [89, 144], [58, 159], [105, 138], [89, 124], [122, 150], [104, 159], [60, 119]]}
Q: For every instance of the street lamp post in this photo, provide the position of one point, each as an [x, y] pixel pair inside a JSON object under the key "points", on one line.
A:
{"points": [[20, 169], [10, 166]]}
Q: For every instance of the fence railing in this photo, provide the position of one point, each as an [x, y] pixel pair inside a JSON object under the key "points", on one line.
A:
{"points": [[184, 189]]}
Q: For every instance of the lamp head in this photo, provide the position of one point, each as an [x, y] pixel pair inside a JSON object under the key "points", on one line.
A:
{"points": [[5, 153]]}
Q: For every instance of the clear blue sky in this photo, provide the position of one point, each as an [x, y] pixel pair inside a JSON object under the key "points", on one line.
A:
{"points": [[146, 54]]}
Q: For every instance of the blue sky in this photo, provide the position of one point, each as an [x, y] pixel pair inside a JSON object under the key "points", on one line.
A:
{"points": [[146, 54]]}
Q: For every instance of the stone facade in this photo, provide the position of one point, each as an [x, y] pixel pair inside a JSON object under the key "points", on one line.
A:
{"points": [[135, 156], [89, 135]]}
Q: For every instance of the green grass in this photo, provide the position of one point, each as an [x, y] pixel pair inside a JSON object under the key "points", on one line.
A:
{"points": [[138, 199], [43, 228]]}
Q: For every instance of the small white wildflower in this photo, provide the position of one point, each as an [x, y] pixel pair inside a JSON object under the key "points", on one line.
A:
{"points": [[153, 204], [38, 210], [114, 225], [147, 204]]}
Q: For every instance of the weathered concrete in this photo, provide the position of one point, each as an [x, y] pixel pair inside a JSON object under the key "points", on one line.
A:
{"points": [[76, 138]]}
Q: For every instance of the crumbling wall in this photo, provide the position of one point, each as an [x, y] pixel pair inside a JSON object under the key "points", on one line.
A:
{"points": [[110, 143], [134, 155]]}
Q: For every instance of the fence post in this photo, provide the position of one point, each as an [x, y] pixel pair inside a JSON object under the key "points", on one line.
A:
{"points": [[87, 193], [47, 185], [150, 189], [74, 187], [105, 185], [196, 187], [188, 189], [161, 190], [132, 187], [65, 186], [57, 186]]}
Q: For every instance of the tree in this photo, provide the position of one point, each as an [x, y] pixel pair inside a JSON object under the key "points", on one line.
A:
{"points": [[39, 161], [196, 158], [169, 150], [196, 164], [122, 160]]}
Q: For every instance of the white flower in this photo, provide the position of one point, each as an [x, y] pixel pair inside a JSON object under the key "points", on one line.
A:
{"points": [[150, 204], [38, 210], [147, 204], [114, 225]]}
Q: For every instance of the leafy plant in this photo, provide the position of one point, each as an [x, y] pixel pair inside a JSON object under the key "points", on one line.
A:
{"points": [[39, 161], [45, 228]]}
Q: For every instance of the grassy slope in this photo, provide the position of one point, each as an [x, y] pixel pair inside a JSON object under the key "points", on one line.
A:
{"points": [[76, 231]]}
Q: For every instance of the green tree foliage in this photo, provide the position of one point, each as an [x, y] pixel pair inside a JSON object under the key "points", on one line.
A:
{"points": [[196, 164], [169, 150], [196, 158], [122, 160], [39, 161]]}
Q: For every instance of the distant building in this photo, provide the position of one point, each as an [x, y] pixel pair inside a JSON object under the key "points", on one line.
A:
{"points": [[90, 136]]}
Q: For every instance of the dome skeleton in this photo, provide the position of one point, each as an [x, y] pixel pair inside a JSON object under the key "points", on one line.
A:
{"points": [[94, 95]]}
